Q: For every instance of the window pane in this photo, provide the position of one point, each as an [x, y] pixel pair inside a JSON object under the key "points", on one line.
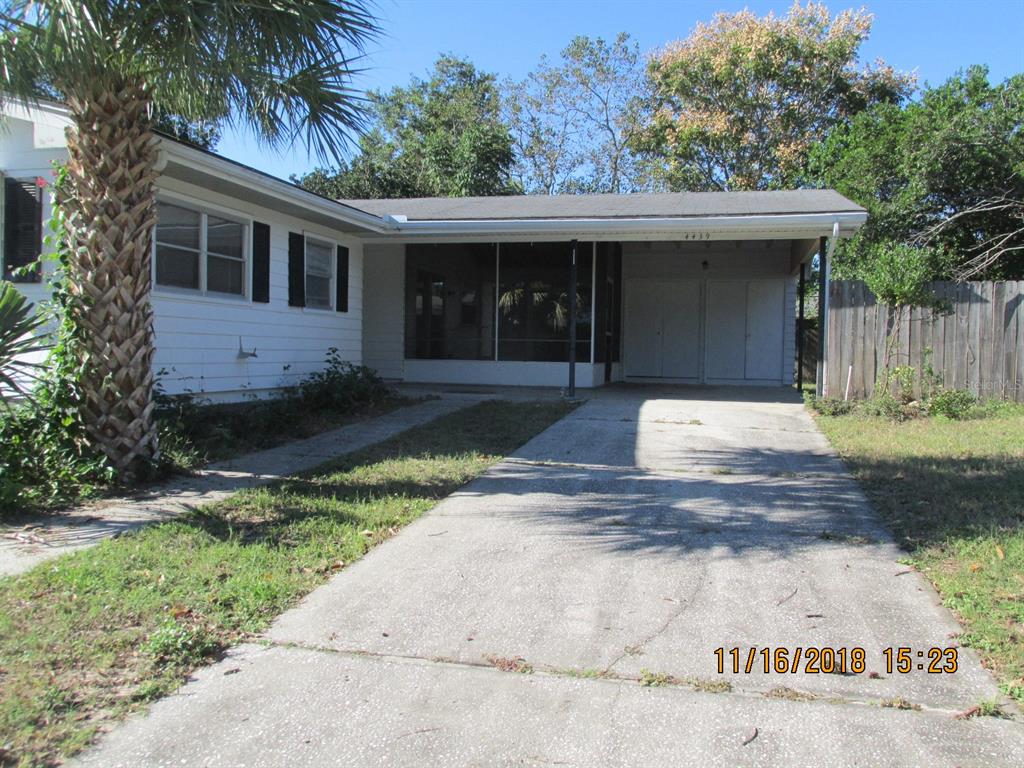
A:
{"points": [[225, 275], [318, 258], [449, 294], [177, 226], [318, 292], [223, 237], [176, 267], [533, 302]]}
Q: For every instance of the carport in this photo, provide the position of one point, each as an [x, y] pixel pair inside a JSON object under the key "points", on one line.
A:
{"points": [[698, 288]]}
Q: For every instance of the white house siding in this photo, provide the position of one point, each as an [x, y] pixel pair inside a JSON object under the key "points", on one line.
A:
{"points": [[197, 337], [384, 314], [726, 260], [789, 336]]}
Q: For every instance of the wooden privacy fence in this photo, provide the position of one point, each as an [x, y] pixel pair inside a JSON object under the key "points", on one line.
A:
{"points": [[977, 343]]}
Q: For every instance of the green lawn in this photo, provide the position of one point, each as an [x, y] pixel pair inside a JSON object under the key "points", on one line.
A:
{"points": [[91, 636], [953, 494]]}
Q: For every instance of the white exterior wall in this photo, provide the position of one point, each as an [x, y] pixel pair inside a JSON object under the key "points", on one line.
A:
{"points": [[384, 314], [789, 337], [197, 337]]}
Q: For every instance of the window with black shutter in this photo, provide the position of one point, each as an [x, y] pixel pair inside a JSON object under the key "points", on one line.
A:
{"points": [[341, 270], [260, 262], [23, 229]]}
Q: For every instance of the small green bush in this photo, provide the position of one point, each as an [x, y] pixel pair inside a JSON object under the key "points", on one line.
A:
{"points": [[829, 406], [45, 458], [341, 386], [887, 406], [953, 403]]}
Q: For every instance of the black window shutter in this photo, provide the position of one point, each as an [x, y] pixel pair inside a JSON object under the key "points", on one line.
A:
{"points": [[341, 303], [23, 228], [296, 270], [260, 262]]}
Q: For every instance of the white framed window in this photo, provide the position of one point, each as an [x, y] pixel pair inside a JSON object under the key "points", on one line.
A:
{"points": [[319, 273], [199, 250]]}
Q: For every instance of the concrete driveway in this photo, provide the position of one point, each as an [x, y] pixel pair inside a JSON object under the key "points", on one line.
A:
{"points": [[630, 540]]}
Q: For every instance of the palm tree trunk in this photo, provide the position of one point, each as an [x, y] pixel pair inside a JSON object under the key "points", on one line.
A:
{"points": [[110, 211]]}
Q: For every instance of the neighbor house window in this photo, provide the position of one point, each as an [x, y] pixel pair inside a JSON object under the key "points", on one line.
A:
{"points": [[199, 251], [22, 230], [319, 259]]}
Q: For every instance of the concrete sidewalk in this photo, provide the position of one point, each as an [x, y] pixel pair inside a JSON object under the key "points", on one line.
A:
{"points": [[22, 548], [630, 540]]}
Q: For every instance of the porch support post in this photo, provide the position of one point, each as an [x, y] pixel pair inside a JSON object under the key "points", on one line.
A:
{"points": [[800, 330], [822, 320], [572, 321]]}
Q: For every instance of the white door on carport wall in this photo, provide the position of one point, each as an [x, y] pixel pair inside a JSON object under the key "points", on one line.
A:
{"points": [[739, 341], [663, 329], [745, 331]]}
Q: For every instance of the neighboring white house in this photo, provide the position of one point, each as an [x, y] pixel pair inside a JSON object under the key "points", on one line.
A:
{"points": [[690, 287]]}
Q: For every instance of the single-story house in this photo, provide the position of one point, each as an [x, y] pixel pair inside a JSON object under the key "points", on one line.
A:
{"points": [[687, 288]]}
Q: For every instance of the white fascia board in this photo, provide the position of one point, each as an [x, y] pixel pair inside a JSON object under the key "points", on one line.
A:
{"points": [[206, 162], [779, 226]]}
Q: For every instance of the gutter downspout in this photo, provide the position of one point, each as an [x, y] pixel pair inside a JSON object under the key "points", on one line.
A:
{"points": [[824, 322]]}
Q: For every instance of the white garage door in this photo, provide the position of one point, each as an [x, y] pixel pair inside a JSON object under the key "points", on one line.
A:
{"points": [[739, 341]]}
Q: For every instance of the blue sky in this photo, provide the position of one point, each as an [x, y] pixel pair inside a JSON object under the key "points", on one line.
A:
{"points": [[507, 37]]}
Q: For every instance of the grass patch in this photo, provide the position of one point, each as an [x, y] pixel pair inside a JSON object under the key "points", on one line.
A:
{"points": [[90, 636], [951, 492]]}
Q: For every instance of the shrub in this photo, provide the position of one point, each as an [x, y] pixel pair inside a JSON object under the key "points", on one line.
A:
{"points": [[341, 386], [828, 406], [952, 403], [884, 404], [45, 458]]}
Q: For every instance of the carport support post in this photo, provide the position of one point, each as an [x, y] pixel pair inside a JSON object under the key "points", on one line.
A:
{"points": [[822, 288], [800, 330], [572, 322]]}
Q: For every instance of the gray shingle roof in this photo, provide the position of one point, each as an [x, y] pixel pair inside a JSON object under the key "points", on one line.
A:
{"points": [[655, 205]]}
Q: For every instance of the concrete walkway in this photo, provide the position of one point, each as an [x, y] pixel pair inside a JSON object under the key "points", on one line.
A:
{"points": [[633, 538], [22, 547]]}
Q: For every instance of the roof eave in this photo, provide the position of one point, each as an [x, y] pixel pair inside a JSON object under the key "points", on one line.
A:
{"points": [[777, 226], [207, 162]]}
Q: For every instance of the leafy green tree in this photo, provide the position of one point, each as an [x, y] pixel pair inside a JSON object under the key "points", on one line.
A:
{"points": [[574, 121], [204, 134], [439, 137], [946, 171], [740, 102], [282, 68]]}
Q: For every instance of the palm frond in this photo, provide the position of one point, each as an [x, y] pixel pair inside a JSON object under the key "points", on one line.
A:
{"points": [[19, 341], [282, 68]]}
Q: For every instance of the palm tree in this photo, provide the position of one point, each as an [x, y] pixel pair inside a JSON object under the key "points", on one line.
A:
{"points": [[282, 68]]}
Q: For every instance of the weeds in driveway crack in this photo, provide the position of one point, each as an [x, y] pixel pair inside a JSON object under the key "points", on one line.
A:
{"points": [[899, 703], [510, 664]]}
